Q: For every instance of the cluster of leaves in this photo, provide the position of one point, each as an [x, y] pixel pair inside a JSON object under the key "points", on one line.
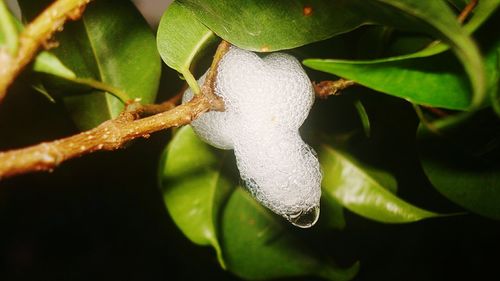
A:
{"points": [[414, 50], [203, 195]]}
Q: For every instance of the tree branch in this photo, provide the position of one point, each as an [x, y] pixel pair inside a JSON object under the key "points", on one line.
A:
{"points": [[324, 89], [114, 134], [34, 35]]}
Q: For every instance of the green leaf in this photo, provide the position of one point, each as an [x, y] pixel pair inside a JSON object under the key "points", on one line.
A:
{"points": [[44, 62], [436, 81], [8, 29], [48, 63], [262, 25], [202, 196], [463, 163], [111, 43], [365, 191], [194, 187], [257, 246], [180, 38]]}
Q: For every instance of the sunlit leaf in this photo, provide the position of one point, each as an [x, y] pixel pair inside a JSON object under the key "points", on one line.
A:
{"points": [[180, 38], [364, 190], [111, 43]]}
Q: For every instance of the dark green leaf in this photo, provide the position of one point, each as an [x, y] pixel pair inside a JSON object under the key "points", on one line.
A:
{"points": [[436, 81], [463, 163], [365, 191], [112, 43], [262, 25], [257, 246], [194, 187], [180, 38]]}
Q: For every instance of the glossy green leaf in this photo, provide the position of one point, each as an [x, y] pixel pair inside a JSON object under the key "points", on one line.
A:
{"points": [[111, 43], [436, 81], [365, 191], [257, 246], [180, 38], [194, 187], [262, 25], [463, 163]]}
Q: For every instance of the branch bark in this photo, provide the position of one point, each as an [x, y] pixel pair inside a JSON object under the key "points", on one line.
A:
{"points": [[114, 134], [36, 34], [324, 89]]}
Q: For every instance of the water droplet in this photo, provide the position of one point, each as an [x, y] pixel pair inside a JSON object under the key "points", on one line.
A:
{"points": [[304, 218]]}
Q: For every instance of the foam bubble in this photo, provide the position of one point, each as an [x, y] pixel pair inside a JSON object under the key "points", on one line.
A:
{"points": [[267, 100]]}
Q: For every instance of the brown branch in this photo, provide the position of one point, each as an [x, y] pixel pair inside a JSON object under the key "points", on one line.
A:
{"points": [[324, 89], [114, 134], [467, 11], [36, 34]]}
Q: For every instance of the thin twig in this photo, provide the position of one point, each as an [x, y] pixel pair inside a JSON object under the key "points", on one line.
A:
{"points": [[114, 134], [37, 33], [324, 89], [467, 11]]}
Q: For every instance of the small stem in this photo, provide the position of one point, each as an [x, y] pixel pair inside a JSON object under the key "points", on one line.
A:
{"points": [[121, 95], [467, 11], [208, 87], [191, 81], [424, 120], [324, 89], [8, 29]]}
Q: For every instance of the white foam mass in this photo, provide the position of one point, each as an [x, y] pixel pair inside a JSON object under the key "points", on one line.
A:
{"points": [[266, 100]]}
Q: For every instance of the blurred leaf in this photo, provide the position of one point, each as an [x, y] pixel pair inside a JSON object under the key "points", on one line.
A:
{"points": [[363, 117], [257, 246], [332, 213], [111, 43], [262, 25], [463, 163], [8, 29], [364, 192], [194, 187], [180, 38], [409, 78]]}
